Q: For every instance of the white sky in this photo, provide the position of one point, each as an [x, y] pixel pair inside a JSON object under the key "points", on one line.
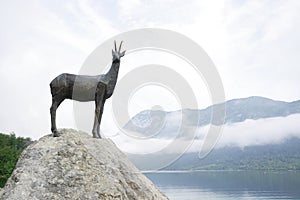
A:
{"points": [[255, 45]]}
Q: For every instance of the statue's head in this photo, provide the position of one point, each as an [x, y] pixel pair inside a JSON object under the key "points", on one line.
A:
{"points": [[117, 53]]}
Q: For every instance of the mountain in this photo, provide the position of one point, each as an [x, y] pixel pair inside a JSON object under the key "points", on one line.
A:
{"points": [[149, 122], [263, 153], [76, 166], [282, 156]]}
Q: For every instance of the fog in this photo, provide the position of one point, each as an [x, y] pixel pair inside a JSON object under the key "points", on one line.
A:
{"points": [[248, 133]]}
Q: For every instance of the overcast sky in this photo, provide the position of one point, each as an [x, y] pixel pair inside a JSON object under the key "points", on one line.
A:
{"points": [[255, 46]]}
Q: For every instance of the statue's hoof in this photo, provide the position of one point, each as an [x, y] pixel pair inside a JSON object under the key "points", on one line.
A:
{"points": [[97, 137], [55, 134]]}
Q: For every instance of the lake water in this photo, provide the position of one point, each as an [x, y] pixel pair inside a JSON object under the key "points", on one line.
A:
{"points": [[216, 185]]}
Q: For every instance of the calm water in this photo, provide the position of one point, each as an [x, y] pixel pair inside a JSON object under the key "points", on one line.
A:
{"points": [[233, 185]]}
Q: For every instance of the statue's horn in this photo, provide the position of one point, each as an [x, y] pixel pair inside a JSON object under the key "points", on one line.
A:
{"points": [[120, 46], [115, 46]]}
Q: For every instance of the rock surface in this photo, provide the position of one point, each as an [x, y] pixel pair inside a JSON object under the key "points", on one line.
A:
{"points": [[76, 166]]}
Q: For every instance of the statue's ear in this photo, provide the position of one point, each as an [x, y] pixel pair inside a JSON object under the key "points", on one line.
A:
{"points": [[122, 54]]}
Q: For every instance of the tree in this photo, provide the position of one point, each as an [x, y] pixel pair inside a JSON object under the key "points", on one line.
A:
{"points": [[11, 148]]}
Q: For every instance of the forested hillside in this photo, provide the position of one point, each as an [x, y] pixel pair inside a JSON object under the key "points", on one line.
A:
{"points": [[10, 149], [282, 156]]}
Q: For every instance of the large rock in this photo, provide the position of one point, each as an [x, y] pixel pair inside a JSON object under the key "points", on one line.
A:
{"points": [[76, 166]]}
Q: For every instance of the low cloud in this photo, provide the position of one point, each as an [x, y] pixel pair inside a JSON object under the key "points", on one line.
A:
{"points": [[260, 132], [247, 133], [254, 132]]}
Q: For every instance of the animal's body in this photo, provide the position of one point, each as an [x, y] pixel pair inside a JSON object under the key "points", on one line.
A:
{"points": [[85, 88]]}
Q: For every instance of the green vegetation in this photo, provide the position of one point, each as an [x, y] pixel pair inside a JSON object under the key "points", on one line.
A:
{"points": [[282, 156], [11, 148]]}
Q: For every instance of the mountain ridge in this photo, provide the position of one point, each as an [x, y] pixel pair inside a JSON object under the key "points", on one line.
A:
{"points": [[236, 110], [264, 156]]}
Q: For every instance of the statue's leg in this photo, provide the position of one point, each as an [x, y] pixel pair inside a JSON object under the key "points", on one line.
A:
{"points": [[99, 104], [55, 103], [95, 121], [100, 117]]}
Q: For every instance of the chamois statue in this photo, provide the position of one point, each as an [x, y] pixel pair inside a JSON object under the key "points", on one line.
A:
{"points": [[86, 88]]}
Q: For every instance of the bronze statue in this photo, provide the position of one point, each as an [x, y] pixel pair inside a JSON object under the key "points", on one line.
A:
{"points": [[86, 88]]}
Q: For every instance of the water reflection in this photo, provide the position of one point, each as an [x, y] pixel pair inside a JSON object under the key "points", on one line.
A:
{"points": [[229, 184]]}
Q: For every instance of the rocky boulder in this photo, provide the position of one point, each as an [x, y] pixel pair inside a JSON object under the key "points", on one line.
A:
{"points": [[76, 166]]}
